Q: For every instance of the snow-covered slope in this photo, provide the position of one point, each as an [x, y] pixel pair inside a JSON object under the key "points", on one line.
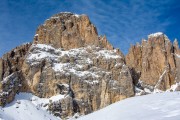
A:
{"points": [[28, 107], [160, 106]]}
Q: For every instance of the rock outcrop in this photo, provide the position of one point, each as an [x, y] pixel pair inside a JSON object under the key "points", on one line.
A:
{"points": [[69, 31], [67, 58], [80, 72], [11, 79], [155, 63]]}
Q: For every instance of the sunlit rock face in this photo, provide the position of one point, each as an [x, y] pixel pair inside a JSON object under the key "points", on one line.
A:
{"points": [[76, 71], [11, 79], [67, 58], [68, 31], [90, 77], [154, 63]]}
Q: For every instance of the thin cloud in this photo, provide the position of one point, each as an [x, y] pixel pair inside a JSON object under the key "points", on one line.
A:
{"points": [[124, 22]]}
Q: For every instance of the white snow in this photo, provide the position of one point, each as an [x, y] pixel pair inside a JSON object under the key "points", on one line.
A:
{"points": [[83, 73], [67, 68], [28, 107], [177, 55], [71, 13], [39, 52], [138, 92], [59, 67], [159, 82], [160, 106], [92, 82], [66, 85], [174, 87], [56, 98], [147, 90], [157, 91], [25, 43], [36, 35], [77, 15], [6, 79], [44, 46], [155, 34], [53, 18], [108, 54], [118, 64], [42, 51]]}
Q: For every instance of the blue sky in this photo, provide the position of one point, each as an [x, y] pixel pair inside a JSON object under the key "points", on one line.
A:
{"points": [[124, 22]]}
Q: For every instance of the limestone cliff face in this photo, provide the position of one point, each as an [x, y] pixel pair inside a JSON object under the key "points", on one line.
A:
{"points": [[154, 63], [69, 61], [11, 73], [90, 77], [69, 31], [67, 58], [177, 62]]}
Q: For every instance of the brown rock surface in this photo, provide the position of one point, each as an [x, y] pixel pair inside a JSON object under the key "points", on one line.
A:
{"points": [[67, 58], [90, 77], [177, 60], [154, 62], [67, 30], [11, 74]]}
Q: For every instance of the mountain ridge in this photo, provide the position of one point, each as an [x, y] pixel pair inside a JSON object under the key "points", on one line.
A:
{"points": [[67, 57]]}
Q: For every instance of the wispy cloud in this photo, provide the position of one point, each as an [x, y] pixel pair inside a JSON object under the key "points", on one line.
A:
{"points": [[124, 22]]}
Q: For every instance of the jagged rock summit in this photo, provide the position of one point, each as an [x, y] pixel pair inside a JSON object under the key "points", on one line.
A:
{"points": [[67, 30], [67, 58], [76, 71], [155, 63]]}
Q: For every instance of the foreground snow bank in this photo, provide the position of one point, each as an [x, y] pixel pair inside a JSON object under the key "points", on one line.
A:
{"points": [[160, 106], [27, 107]]}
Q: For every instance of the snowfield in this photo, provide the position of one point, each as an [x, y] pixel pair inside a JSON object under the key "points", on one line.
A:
{"points": [[28, 107], [160, 106]]}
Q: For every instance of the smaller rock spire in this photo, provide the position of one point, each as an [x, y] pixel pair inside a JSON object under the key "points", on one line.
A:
{"points": [[176, 46]]}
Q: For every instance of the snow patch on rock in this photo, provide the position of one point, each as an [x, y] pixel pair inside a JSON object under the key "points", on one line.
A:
{"points": [[175, 87], [155, 34], [61, 59], [107, 54], [177, 55]]}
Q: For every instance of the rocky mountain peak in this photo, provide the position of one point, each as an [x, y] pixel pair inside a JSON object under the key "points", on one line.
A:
{"points": [[67, 59], [158, 38], [79, 72], [157, 34], [175, 43], [66, 15], [176, 47], [67, 30], [154, 63]]}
